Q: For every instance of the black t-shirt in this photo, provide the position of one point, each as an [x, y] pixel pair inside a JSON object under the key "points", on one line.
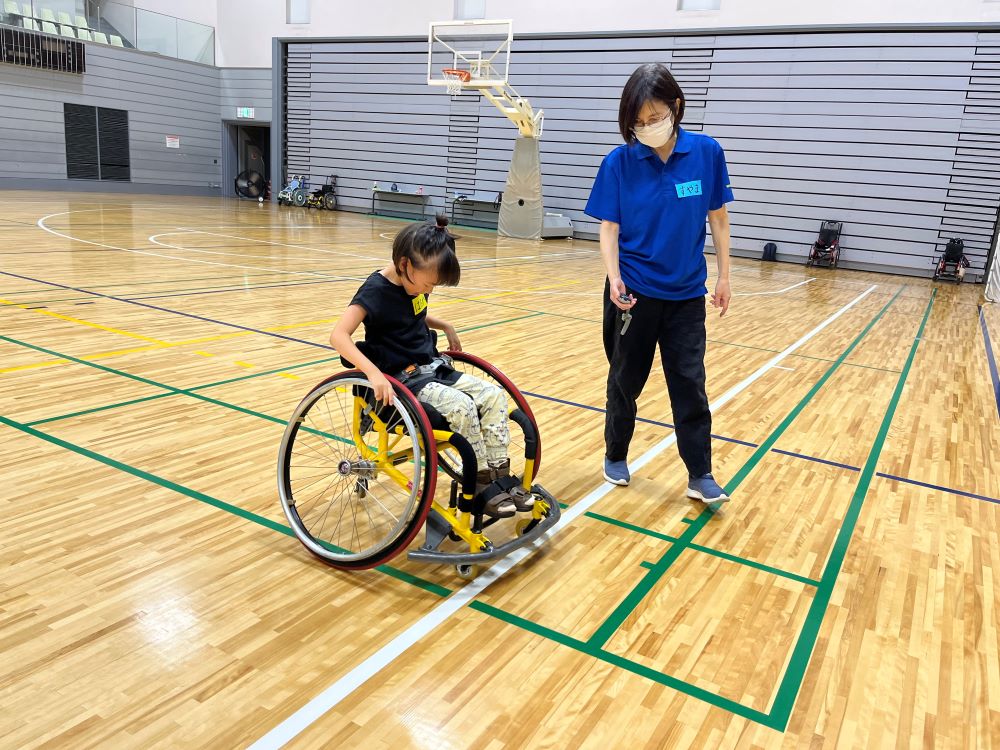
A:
{"points": [[396, 332]]}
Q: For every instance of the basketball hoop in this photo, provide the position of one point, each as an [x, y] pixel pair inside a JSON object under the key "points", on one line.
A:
{"points": [[456, 78]]}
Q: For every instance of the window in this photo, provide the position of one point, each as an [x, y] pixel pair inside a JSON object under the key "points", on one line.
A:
{"points": [[698, 4], [297, 11], [97, 145], [470, 9]]}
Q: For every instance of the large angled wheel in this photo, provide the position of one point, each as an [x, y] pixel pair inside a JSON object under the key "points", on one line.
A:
{"points": [[355, 481], [469, 364]]}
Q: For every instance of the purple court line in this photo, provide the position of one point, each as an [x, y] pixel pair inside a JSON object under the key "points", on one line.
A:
{"points": [[938, 487], [989, 358], [528, 393], [238, 289], [164, 309], [802, 456]]}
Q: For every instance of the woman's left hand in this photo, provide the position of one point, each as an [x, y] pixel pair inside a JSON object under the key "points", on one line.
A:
{"points": [[454, 343], [722, 295]]}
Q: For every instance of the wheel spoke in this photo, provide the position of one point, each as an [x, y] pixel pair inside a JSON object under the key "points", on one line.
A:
{"points": [[362, 514]]}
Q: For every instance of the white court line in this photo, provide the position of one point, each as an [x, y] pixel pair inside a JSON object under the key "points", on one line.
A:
{"points": [[779, 291], [153, 238], [778, 367], [314, 709], [462, 287], [41, 225], [281, 244]]}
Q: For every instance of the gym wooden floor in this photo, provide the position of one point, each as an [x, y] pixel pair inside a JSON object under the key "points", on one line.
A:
{"points": [[151, 595]]}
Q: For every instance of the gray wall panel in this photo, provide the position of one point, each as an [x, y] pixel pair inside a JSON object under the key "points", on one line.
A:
{"points": [[895, 133], [246, 87], [162, 96]]}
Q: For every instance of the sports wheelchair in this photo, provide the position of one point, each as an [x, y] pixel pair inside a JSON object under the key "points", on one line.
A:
{"points": [[357, 479], [826, 249], [952, 264]]}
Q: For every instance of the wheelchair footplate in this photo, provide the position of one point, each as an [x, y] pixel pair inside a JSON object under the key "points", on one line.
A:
{"points": [[528, 527]]}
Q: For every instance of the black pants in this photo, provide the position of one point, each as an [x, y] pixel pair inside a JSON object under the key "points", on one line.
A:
{"points": [[679, 328]]}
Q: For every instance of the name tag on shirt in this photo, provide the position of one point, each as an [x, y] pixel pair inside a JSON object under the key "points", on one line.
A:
{"points": [[419, 304], [688, 189]]}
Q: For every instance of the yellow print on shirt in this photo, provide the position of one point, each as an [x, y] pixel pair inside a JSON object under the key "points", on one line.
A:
{"points": [[419, 304]]}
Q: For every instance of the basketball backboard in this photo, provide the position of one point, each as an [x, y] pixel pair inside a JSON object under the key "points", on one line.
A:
{"points": [[479, 49]]}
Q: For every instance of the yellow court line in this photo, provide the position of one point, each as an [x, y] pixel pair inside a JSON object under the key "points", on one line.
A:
{"points": [[85, 323], [132, 350], [224, 336]]}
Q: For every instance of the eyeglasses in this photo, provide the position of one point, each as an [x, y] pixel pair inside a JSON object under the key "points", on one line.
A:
{"points": [[654, 120]]}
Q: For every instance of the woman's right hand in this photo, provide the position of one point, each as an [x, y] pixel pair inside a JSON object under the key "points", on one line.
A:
{"points": [[618, 290], [382, 387]]}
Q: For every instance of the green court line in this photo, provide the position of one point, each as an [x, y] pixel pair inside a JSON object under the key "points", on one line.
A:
{"points": [[851, 364], [154, 397], [794, 676], [586, 647], [405, 577], [498, 322], [146, 381], [631, 527], [190, 391], [646, 564], [247, 515], [262, 374], [707, 550], [614, 621], [801, 356], [168, 395], [754, 564], [620, 661]]}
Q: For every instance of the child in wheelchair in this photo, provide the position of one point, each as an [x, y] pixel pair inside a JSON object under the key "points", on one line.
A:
{"points": [[392, 305]]}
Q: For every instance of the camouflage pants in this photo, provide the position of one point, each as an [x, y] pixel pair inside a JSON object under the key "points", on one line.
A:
{"points": [[477, 411]]}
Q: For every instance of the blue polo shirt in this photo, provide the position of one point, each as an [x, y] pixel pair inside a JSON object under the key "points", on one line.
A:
{"points": [[661, 209]]}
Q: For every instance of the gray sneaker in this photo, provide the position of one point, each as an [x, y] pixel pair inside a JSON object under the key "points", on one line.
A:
{"points": [[617, 472], [707, 490]]}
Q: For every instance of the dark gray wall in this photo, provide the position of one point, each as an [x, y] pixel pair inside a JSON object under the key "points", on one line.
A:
{"points": [[162, 96], [246, 87], [895, 133]]}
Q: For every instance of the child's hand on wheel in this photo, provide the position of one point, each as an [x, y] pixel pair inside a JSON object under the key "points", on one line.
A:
{"points": [[454, 343], [382, 387]]}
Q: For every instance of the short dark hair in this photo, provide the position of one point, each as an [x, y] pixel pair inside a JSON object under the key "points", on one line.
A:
{"points": [[429, 245], [652, 81]]}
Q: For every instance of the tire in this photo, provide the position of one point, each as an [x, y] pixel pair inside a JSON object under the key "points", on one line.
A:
{"points": [[330, 202], [299, 197], [469, 364], [345, 508]]}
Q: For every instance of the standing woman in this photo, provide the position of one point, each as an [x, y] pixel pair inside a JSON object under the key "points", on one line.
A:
{"points": [[652, 196]]}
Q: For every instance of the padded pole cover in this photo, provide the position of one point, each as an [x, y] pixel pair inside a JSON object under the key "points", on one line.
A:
{"points": [[521, 212]]}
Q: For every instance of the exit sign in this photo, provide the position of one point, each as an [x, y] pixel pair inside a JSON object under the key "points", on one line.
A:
{"points": [[244, 113]]}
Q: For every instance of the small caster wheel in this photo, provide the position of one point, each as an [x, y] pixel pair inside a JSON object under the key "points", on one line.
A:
{"points": [[525, 525], [467, 572]]}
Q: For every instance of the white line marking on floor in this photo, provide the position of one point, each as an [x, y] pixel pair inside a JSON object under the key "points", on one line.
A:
{"points": [[779, 291], [331, 696]]}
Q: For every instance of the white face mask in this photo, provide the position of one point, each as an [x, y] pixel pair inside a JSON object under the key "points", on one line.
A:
{"points": [[656, 135]]}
